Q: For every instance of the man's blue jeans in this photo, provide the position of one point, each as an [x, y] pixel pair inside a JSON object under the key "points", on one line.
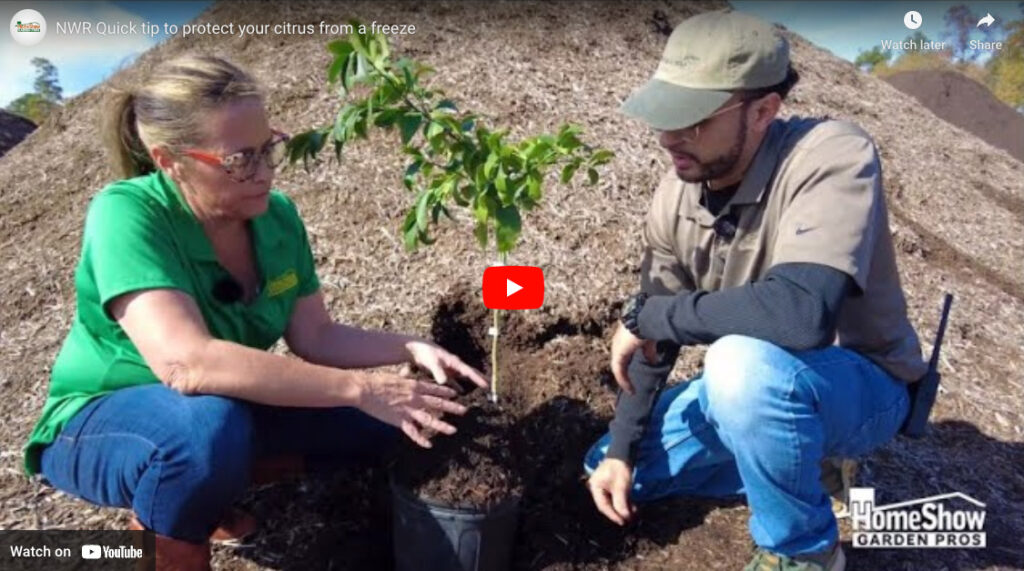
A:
{"points": [[180, 461], [759, 421]]}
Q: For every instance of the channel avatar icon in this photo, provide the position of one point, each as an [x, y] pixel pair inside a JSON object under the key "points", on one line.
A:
{"points": [[513, 287], [28, 27]]}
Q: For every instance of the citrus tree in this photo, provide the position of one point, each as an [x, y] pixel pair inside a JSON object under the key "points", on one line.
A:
{"points": [[455, 158]]}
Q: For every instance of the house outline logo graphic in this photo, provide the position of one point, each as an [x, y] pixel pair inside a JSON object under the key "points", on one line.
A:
{"points": [[923, 522]]}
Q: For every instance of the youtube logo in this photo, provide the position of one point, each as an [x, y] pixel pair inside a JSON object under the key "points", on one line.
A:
{"points": [[513, 287]]}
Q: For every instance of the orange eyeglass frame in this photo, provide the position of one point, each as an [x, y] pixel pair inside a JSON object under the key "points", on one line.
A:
{"points": [[225, 161]]}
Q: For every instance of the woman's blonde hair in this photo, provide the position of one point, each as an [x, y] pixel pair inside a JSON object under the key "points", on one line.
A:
{"points": [[167, 109]]}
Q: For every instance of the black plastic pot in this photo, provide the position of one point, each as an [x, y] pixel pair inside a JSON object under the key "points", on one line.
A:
{"points": [[433, 537]]}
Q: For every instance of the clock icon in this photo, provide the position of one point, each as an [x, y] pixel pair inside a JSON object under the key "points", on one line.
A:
{"points": [[913, 19]]}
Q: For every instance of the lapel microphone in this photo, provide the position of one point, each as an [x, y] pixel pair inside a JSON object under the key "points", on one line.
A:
{"points": [[227, 290], [725, 226]]}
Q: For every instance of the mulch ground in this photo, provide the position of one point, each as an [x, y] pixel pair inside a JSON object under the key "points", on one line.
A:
{"points": [[956, 209]]}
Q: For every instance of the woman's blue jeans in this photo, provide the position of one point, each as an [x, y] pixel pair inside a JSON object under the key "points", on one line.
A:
{"points": [[759, 421], [180, 461]]}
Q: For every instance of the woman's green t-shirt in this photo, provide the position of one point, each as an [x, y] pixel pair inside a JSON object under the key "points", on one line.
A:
{"points": [[141, 234]]}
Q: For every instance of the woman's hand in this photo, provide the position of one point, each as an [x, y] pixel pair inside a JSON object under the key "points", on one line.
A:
{"points": [[414, 406], [440, 363]]}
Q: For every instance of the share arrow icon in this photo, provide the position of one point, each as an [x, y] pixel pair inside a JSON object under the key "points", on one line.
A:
{"points": [[988, 20]]}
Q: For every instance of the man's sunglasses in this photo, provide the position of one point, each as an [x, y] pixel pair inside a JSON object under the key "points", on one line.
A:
{"points": [[243, 165]]}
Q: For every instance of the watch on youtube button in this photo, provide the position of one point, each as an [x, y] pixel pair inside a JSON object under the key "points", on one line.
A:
{"points": [[513, 287]]}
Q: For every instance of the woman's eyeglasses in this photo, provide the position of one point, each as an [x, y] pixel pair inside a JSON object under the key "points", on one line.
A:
{"points": [[243, 165]]}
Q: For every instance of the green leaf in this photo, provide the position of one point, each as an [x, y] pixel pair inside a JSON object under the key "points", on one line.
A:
{"points": [[297, 146], [533, 188], [508, 225], [348, 74], [359, 117], [467, 125], [446, 104], [434, 130], [358, 42], [481, 137], [446, 188], [422, 203], [387, 117], [490, 165], [601, 157], [340, 47], [459, 196], [410, 234], [592, 176], [439, 209], [334, 70], [484, 207], [568, 171], [410, 173], [480, 231], [567, 138], [494, 140], [306, 145], [410, 79], [501, 183], [537, 150], [341, 130], [409, 124], [383, 48]]}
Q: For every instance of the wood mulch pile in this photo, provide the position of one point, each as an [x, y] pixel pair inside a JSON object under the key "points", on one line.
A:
{"points": [[962, 101], [13, 130]]}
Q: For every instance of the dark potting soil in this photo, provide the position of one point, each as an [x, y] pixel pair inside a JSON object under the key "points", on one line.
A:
{"points": [[473, 469], [499, 447]]}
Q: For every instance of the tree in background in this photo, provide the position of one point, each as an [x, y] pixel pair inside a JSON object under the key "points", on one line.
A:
{"points": [[961, 28], [1006, 68], [46, 83], [870, 60], [47, 97]]}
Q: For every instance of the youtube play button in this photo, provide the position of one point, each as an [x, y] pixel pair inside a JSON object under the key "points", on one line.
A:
{"points": [[513, 287]]}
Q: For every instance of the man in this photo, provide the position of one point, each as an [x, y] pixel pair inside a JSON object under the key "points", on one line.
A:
{"points": [[769, 241]]}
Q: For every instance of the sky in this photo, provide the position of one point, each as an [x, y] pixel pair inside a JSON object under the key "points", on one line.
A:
{"points": [[845, 28]]}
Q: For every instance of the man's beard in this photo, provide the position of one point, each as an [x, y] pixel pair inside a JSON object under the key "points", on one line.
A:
{"points": [[723, 164]]}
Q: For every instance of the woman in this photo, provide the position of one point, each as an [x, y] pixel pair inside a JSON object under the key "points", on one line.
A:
{"points": [[163, 397]]}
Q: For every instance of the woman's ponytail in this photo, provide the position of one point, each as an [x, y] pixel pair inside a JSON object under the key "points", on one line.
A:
{"points": [[127, 152]]}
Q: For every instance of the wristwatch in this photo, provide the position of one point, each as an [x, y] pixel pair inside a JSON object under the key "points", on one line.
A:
{"points": [[631, 312]]}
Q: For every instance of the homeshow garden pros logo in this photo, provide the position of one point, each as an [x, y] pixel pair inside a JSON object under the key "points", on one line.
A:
{"points": [[925, 522], [28, 27]]}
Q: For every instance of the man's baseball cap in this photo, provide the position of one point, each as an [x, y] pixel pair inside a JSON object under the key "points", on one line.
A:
{"points": [[707, 57]]}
